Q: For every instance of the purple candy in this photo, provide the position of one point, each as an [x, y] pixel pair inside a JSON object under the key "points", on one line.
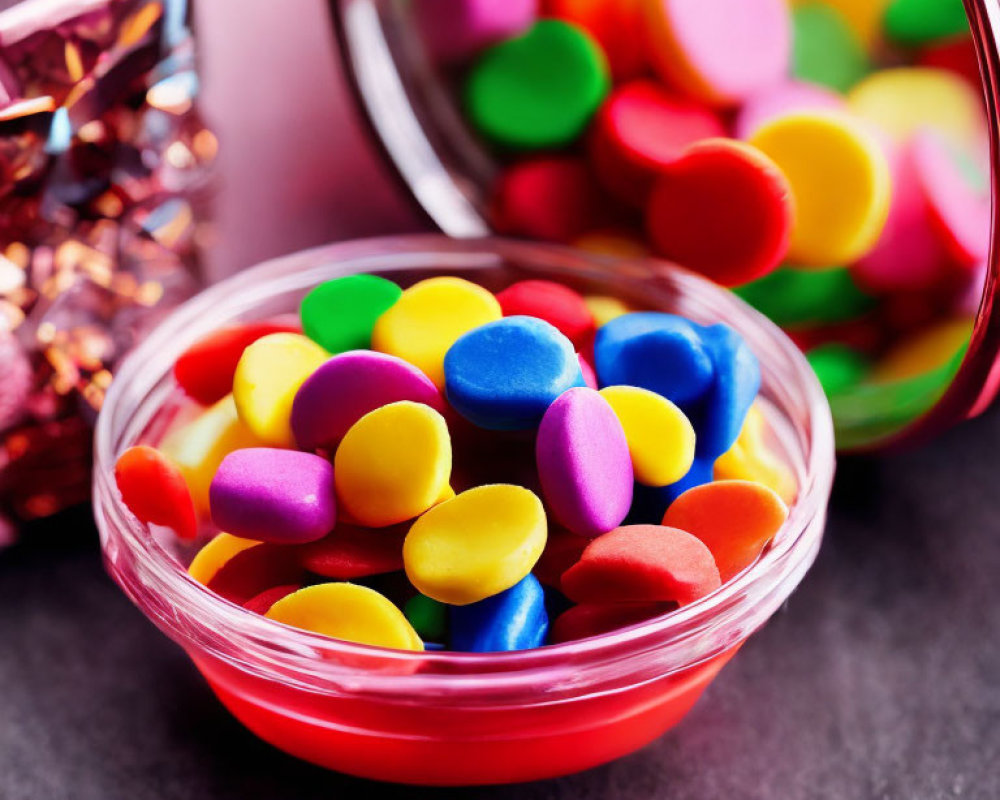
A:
{"points": [[584, 464], [347, 387], [273, 495], [453, 30]]}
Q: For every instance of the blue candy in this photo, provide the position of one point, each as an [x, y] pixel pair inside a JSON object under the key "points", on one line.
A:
{"points": [[650, 503], [503, 375], [512, 620], [719, 416], [660, 352]]}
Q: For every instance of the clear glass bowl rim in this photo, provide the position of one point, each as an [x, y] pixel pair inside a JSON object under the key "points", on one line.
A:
{"points": [[207, 625]]}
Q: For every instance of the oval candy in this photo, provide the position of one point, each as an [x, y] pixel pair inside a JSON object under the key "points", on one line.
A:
{"points": [[153, 489], [215, 554], [514, 619], [475, 545], [593, 619], [584, 463], [393, 464], [355, 552], [553, 302], [339, 314]]}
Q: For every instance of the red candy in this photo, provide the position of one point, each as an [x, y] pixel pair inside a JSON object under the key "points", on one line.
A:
{"points": [[549, 198], [205, 370], [615, 24], [255, 570], [957, 55], [355, 552], [558, 305], [639, 131], [589, 619], [724, 210], [262, 603], [642, 563], [562, 550], [155, 491]]}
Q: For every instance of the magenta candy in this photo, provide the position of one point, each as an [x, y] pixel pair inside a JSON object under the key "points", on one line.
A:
{"points": [[589, 376], [456, 29], [783, 98], [347, 387], [584, 464], [272, 495]]}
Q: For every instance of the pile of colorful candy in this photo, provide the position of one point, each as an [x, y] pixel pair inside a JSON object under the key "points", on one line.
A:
{"points": [[756, 142], [437, 467], [104, 164]]}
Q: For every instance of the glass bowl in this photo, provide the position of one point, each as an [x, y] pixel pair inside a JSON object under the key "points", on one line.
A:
{"points": [[459, 718], [410, 105]]}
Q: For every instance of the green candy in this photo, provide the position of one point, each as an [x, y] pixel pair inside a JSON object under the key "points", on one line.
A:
{"points": [[916, 22], [339, 315], [538, 90], [800, 297], [838, 367], [428, 617], [825, 49]]}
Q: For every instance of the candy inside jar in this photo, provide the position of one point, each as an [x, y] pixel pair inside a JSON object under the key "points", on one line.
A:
{"points": [[441, 466], [827, 160]]}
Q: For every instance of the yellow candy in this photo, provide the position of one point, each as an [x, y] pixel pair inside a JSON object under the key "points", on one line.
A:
{"points": [[604, 309], [840, 184], [393, 464], [660, 438], [429, 317], [612, 243], [476, 545], [750, 459], [216, 554], [270, 372], [349, 612], [198, 447], [922, 352], [901, 101]]}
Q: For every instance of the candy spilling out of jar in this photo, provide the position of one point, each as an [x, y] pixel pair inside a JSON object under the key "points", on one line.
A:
{"points": [[760, 143], [449, 468]]}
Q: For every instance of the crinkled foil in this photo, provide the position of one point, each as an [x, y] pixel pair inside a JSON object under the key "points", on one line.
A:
{"points": [[104, 175]]}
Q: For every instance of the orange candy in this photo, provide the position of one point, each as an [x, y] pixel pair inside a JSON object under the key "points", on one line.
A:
{"points": [[154, 490], [735, 519], [615, 24]]}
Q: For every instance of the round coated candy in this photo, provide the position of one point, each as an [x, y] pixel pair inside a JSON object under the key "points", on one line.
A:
{"points": [[274, 495], [205, 370], [348, 612], [475, 545], [902, 100], [268, 375], [915, 22], [782, 98], [838, 367], [864, 16], [807, 297], [650, 502], [660, 352], [642, 129], [393, 464], [826, 50], [593, 619], [584, 463], [555, 198], [515, 619], [839, 180], [255, 570], [642, 563], [263, 601], [354, 552], [348, 386], [615, 24], [553, 302], [751, 459], [429, 618], [540, 89], [734, 388], [562, 550], [720, 52], [428, 318], [339, 314], [153, 489], [198, 447], [956, 55], [215, 554], [724, 209], [505, 374], [734, 519], [453, 30], [661, 441]]}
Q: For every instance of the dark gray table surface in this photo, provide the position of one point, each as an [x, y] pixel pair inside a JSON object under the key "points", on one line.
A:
{"points": [[880, 679]]}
